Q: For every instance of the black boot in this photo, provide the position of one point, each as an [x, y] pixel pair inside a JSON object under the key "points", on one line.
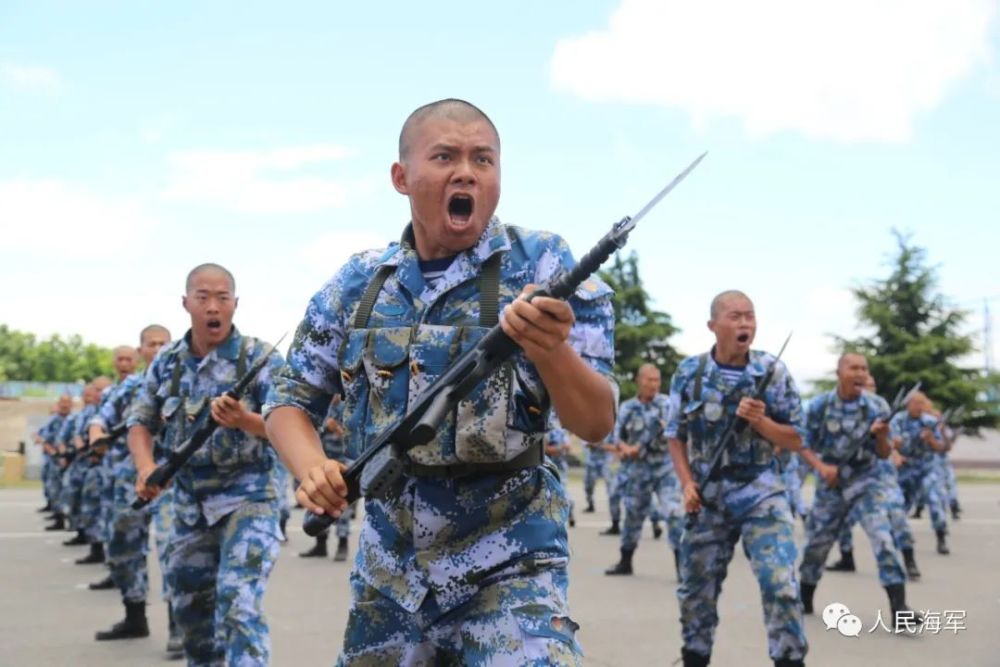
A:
{"points": [[692, 659], [956, 511], [47, 508], [77, 541], [58, 523], [96, 555], [341, 554], [677, 564], [917, 513], [845, 564], [105, 584], [175, 645], [589, 509], [624, 566], [133, 627], [806, 593], [788, 662], [912, 571], [613, 530], [897, 603], [318, 550], [284, 534], [657, 530], [942, 545]]}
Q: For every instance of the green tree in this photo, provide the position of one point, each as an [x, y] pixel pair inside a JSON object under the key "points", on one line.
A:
{"points": [[641, 333], [23, 357], [913, 335]]}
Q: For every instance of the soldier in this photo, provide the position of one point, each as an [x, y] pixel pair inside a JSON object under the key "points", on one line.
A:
{"points": [[598, 468], [48, 436], [466, 563], [332, 436], [72, 487], [639, 434], [224, 537], [128, 533], [556, 449], [917, 436], [849, 478], [706, 392]]}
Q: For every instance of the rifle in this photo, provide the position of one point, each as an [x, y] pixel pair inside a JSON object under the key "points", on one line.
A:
{"points": [[204, 428], [117, 431], [730, 434], [898, 405], [380, 466]]}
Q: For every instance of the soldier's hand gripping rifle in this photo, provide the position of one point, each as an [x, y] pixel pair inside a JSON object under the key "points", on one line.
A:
{"points": [[380, 466], [97, 447], [854, 447], [732, 432], [204, 427]]}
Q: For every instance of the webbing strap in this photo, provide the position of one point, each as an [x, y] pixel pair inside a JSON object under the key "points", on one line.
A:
{"points": [[489, 292], [370, 295]]}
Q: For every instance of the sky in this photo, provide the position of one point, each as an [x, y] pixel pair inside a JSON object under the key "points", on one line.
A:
{"points": [[140, 139]]}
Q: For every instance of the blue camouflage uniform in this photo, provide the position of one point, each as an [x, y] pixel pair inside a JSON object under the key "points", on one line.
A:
{"points": [[557, 436], [652, 474], [598, 466], [895, 506], [72, 479], [460, 569], [51, 471], [127, 529], [335, 447], [919, 474], [750, 503], [224, 535], [832, 425], [792, 478]]}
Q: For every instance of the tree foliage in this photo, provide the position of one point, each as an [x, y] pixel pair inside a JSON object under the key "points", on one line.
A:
{"points": [[641, 333], [55, 359], [914, 335]]}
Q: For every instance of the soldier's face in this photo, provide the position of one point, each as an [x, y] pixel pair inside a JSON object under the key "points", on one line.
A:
{"points": [[211, 303], [125, 361], [735, 325], [65, 405], [452, 177], [916, 406], [852, 376], [152, 341], [649, 382]]}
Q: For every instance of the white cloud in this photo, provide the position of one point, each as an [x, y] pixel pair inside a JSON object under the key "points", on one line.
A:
{"points": [[272, 181], [855, 70], [55, 219], [30, 77]]}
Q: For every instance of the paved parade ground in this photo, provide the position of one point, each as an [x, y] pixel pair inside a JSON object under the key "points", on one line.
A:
{"points": [[47, 617]]}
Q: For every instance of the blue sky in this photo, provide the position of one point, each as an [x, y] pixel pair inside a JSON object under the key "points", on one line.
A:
{"points": [[139, 139]]}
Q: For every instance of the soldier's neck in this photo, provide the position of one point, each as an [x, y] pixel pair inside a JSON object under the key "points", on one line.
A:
{"points": [[735, 357]]}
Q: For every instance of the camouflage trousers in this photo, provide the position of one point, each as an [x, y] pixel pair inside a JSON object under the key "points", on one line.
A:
{"points": [[768, 542], [646, 480], [598, 467], [90, 503], [618, 490], [562, 465], [830, 513], [901, 534], [923, 480], [793, 488], [517, 619], [217, 579], [128, 539], [163, 521], [51, 480], [107, 498], [946, 473], [71, 494]]}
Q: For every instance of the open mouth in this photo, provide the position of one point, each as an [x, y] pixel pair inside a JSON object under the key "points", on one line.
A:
{"points": [[743, 338], [214, 325], [460, 209]]}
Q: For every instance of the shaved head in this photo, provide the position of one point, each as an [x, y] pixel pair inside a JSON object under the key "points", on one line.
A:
{"points": [[721, 298], [153, 328], [208, 266], [452, 109]]}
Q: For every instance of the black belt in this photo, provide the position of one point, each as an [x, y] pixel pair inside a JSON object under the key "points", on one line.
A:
{"points": [[529, 458]]}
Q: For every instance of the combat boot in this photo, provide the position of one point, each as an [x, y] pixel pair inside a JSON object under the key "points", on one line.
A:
{"points": [[175, 644], [897, 603], [282, 524], [96, 555], [47, 508], [133, 627], [789, 662], [912, 571], [806, 593], [105, 584], [77, 541], [845, 564], [677, 563], [956, 511], [917, 513], [318, 550], [692, 659], [657, 530], [613, 530], [341, 554], [589, 509], [58, 523], [624, 566], [942, 545]]}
